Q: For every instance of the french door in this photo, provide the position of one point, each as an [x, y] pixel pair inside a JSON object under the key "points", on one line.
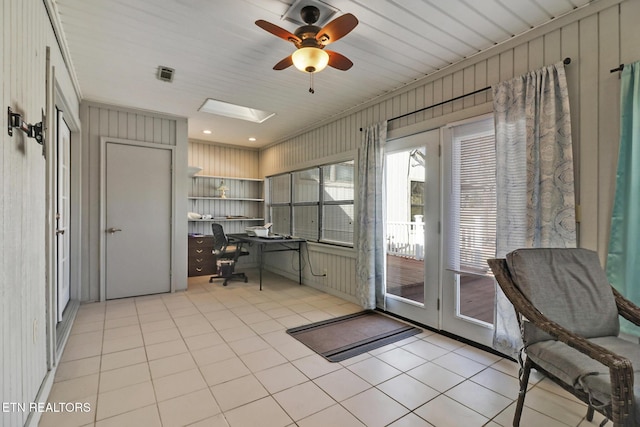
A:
{"points": [[469, 228], [412, 217], [437, 204]]}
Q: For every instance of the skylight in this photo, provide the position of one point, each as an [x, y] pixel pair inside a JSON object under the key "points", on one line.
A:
{"points": [[226, 109]]}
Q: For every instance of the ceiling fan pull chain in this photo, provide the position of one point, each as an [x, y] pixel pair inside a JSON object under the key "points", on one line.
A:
{"points": [[311, 90]]}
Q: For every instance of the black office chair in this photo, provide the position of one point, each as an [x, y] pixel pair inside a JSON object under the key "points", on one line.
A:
{"points": [[227, 253]]}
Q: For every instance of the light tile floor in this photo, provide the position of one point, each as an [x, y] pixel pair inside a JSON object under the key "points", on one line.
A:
{"points": [[219, 356]]}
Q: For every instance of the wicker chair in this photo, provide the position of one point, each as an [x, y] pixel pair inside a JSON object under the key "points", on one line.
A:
{"points": [[575, 342]]}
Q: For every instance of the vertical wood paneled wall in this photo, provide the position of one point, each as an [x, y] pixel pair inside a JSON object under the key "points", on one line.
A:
{"points": [[336, 261], [596, 38], [25, 34], [223, 160], [22, 210], [99, 120]]}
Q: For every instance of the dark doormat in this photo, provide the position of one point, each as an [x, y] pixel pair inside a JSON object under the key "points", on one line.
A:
{"points": [[348, 336]]}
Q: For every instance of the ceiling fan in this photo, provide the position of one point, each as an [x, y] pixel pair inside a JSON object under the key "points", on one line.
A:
{"points": [[310, 41]]}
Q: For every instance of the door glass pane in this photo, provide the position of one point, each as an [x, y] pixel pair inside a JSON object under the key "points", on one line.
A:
{"points": [[476, 294], [405, 224]]}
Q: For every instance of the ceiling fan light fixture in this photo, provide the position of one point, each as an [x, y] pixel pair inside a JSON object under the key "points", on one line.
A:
{"points": [[310, 59]]}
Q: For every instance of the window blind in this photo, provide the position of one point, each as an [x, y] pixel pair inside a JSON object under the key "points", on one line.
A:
{"points": [[472, 222], [280, 189], [337, 200], [306, 186], [280, 203]]}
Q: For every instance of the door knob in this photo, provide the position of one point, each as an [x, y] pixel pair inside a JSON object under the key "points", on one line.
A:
{"points": [[113, 230]]}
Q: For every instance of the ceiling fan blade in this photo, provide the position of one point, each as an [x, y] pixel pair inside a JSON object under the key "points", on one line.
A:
{"points": [[278, 31], [339, 61], [336, 29], [285, 63]]}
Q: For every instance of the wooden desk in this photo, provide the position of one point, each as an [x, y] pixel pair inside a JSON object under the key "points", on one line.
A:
{"points": [[271, 245]]}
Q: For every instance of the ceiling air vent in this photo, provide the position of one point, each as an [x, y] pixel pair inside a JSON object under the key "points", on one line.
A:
{"points": [[293, 12], [165, 73]]}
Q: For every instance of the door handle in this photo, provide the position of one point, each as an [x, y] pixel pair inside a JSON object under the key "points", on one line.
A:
{"points": [[113, 230], [60, 231]]}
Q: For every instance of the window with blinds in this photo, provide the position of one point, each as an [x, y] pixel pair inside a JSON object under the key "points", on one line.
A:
{"points": [[306, 200], [472, 199], [337, 203], [315, 203], [280, 203]]}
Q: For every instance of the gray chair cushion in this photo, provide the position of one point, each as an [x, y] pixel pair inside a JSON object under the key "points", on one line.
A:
{"points": [[569, 287], [581, 372]]}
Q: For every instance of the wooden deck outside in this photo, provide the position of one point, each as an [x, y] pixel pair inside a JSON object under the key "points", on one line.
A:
{"points": [[405, 278]]}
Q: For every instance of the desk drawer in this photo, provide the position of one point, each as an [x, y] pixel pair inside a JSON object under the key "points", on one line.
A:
{"points": [[200, 245], [201, 259], [201, 242], [200, 252], [207, 267]]}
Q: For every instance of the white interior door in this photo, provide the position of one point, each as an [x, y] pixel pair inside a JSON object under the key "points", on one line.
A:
{"points": [[412, 216], [63, 157], [138, 220]]}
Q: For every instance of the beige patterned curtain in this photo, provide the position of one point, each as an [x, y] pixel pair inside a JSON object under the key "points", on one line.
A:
{"points": [[534, 159], [370, 216]]}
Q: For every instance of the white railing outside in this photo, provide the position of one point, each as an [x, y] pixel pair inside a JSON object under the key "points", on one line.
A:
{"points": [[405, 239]]}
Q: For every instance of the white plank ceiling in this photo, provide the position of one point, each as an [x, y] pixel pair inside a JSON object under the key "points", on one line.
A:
{"points": [[218, 52]]}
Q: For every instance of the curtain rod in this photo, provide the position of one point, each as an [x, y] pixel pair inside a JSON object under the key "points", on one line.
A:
{"points": [[566, 61], [620, 68]]}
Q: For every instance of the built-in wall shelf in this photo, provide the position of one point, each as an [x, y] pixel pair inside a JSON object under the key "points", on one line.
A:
{"points": [[228, 178], [226, 219], [242, 205], [243, 199]]}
